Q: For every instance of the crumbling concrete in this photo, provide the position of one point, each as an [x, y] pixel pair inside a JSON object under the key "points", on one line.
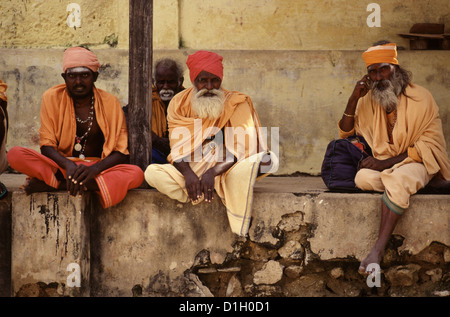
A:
{"points": [[303, 241]]}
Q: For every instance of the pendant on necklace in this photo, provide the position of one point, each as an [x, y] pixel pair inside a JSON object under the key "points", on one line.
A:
{"points": [[82, 156], [77, 147]]}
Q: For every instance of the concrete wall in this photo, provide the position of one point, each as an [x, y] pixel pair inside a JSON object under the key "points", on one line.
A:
{"points": [[301, 242], [298, 60]]}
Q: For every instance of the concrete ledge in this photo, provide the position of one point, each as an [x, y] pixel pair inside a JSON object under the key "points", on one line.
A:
{"points": [[300, 235]]}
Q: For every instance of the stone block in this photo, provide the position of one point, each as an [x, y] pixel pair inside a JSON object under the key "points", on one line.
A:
{"points": [[347, 224], [50, 242], [271, 273]]}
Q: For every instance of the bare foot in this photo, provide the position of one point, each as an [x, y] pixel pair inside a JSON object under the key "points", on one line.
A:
{"points": [[34, 185]]}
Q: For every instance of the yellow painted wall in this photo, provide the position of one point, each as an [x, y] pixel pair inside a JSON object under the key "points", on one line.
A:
{"points": [[43, 23], [219, 24], [298, 60], [300, 25]]}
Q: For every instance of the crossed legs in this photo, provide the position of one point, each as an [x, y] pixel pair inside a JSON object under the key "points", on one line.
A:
{"points": [[45, 175]]}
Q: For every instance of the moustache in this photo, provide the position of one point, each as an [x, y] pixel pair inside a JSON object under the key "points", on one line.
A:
{"points": [[214, 92], [381, 84], [166, 94]]}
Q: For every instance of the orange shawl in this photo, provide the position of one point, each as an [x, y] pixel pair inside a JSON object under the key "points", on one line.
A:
{"points": [[159, 123], [418, 125], [58, 125], [239, 112]]}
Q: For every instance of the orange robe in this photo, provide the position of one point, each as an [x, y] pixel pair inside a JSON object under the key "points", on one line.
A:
{"points": [[190, 137], [58, 124], [58, 130], [238, 112]]}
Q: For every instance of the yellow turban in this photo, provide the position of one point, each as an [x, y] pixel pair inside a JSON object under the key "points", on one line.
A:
{"points": [[386, 53], [3, 88]]}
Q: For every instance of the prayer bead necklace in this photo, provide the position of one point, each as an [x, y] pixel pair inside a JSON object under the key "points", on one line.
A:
{"points": [[91, 113], [77, 147]]}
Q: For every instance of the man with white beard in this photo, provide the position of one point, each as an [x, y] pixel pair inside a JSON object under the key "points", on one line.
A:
{"points": [[400, 122], [168, 81], [216, 144], [168, 78]]}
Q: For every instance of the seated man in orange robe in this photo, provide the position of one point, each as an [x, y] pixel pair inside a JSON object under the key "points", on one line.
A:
{"points": [[83, 138], [216, 144], [400, 122]]}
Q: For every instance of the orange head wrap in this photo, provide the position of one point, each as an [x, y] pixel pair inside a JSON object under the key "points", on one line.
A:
{"points": [[386, 53], [80, 57], [204, 61], [3, 88]]}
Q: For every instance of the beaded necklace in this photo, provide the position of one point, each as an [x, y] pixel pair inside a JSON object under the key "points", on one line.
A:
{"points": [[78, 147]]}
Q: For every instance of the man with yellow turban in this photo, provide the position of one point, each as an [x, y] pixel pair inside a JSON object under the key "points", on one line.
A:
{"points": [[83, 138], [3, 133], [400, 122], [216, 144]]}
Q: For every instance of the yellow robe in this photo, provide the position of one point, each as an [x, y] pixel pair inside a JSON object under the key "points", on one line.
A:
{"points": [[418, 131], [418, 125]]}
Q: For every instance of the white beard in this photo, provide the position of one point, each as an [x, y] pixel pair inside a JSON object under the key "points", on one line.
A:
{"points": [[208, 107], [386, 92], [166, 94]]}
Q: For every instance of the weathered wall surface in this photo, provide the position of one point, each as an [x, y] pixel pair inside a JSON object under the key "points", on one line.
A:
{"points": [[298, 60], [304, 99], [300, 243], [56, 229], [218, 25], [53, 23]]}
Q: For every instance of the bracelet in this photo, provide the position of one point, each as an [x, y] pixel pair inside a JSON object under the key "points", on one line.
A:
{"points": [[349, 115]]}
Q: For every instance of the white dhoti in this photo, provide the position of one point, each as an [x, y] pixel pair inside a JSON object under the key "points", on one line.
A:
{"points": [[235, 187], [398, 183]]}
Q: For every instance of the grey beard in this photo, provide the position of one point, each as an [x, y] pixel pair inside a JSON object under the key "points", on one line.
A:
{"points": [[386, 92]]}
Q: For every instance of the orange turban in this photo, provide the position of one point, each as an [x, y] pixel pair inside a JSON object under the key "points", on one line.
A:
{"points": [[80, 57], [204, 61], [386, 53], [3, 88]]}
